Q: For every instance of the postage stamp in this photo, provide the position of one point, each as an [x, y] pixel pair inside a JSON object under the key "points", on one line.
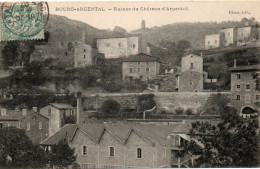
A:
{"points": [[23, 20]]}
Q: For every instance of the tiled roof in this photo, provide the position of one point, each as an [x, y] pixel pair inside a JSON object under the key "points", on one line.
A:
{"points": [[245, 68], [30, 113], [141, 57], [66, 132], [11, 116], [61, 106], [154, 133]]}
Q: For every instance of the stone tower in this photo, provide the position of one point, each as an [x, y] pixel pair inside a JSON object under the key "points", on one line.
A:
{"points": [[143, 25]]}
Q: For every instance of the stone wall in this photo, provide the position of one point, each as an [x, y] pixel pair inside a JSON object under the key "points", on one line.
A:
{"points": [[167, 101]]}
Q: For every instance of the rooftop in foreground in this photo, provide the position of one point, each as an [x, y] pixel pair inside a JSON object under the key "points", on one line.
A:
{"points": [[245, 68]]}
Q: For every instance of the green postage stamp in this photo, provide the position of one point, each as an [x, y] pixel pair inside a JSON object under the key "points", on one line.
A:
{"points": [[23, 20]]}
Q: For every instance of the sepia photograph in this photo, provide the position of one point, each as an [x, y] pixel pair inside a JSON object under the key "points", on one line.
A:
{"points": [[129, 84]]}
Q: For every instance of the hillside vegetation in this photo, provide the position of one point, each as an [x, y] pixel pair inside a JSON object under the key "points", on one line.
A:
{"points": [[192, 32]]}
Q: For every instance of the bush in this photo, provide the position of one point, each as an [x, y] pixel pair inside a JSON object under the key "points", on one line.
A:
{"points": [[189, 112], [179, 111], [112, 86], [110, 108]]}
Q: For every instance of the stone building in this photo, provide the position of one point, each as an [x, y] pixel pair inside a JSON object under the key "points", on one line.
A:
{"points": [[214, 41], [230, 35], [140, 66], [190, 78], [116, 47], [246, 33], [117, 145], [83, 55], [123, 46], [35, 125], [245, 89], [56, 113]]}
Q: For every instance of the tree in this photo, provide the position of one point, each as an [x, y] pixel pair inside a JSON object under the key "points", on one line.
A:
{"points": [[232, 143], [145, 102], [62, 155], [10, 53], [110, 108], [217, 104], [17, 150]]}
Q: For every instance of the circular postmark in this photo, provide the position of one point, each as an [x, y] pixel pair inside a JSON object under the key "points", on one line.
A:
{"points": [[25, 19]]}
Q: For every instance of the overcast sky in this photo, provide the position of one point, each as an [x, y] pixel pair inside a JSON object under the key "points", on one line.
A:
{"points": [[131, 20]]}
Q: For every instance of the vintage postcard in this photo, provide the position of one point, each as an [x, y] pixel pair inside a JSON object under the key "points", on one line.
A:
{"points": [[129, 84]]}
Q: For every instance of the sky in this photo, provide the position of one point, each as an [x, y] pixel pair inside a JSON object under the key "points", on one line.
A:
{"points": [[131, 20]]}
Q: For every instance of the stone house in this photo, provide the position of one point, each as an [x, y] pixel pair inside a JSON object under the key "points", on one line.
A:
{"points": [[214, 41], [230, 35], [140, 66], [116, 47], [244, 91], [246, 33], [83, 55], [35, 125], [56, 113], [117, 145], [123, 46], [190, 78]]}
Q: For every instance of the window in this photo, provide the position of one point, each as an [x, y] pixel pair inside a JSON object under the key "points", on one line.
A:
{"points": [[238, 76], [112, 151], [165, 152], [40, 125], [66, 53], [84, 56], [238, 97], [3, 112], [147, 70], [108, 45], [208, 42], [28, 126], [257, 97], [139, 153], [247, 86], [8, 124], [1, 125], [84, 150], [139, 70], [238, 87], [24, 112], [84, 50], [131, 70], [147, 63], [133, 46], [216, 41], [119, 44], [192, 65], [228, 33], [191, 83], [139, 63], [49, 112], [247, 98]]}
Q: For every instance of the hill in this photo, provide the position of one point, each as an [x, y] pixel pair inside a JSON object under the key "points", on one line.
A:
{"points": [[193, 32], [62, 29]]}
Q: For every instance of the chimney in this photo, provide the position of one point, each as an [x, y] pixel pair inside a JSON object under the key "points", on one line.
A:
{"points": [[83, 38], [79, 107], [235, 63], [35, 109]]}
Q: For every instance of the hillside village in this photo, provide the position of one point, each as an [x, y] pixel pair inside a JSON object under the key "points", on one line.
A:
{"points": [[120, 100]]}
